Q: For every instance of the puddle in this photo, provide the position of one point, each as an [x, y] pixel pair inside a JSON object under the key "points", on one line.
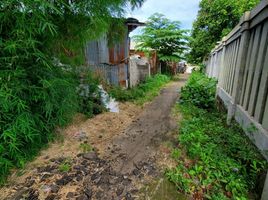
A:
{"points": [[161, 189]]}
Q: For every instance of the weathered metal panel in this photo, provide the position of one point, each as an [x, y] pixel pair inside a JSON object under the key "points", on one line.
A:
{"points": [[103, 50], [115, 60], [92, 57], [108, 72]]}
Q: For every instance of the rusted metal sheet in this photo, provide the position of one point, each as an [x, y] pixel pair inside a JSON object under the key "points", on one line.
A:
{"points": [[109, 73], [111, 63], [98, 53]]}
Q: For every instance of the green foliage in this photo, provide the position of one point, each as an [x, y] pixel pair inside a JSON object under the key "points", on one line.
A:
{"points": [[65, 166], [216, 18], [199, 90], [176, 153], [85, 147], [143, 92], [37, 92], [89, 95], [224, 162], [164, 36]]}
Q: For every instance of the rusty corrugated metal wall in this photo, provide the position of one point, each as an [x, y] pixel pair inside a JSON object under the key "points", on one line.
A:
{"points": [[112, 61]]}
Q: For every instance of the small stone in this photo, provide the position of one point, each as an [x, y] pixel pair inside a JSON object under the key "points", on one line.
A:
{"points": [[79, 178], [95, 176], [81, 135], [45, 176], [20, 194], [119, 191], [126, 182], [99, 195], [129, 197], [64, 180], [235, 169], [112, 181], [88, 192], [51, 197], [104, 180], [136, 172], [79, 155], [29, 183], [70, 195], [46, 188], [100, 136], [33, 194], [54, 188], [77, 167], [90, 156], [134, 191], [82, 197]]}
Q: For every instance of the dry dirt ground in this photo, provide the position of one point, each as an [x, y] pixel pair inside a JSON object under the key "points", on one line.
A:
{"points": [[112, 156]]}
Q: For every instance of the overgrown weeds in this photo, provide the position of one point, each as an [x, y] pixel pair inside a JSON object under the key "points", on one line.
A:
{"points": [[220, 162], [37, 93], [144, 92], [215, 161], [199, 91]]}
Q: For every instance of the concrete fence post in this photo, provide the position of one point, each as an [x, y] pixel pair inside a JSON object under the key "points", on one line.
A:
{"points": [[240, 67], [222, 62]]}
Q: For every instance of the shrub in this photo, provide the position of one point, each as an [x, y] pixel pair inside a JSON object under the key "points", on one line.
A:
{"points": [[37, 93], [89, 95], [199, 90]]}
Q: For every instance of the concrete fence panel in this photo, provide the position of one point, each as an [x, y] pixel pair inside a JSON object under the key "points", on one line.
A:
{"points": [[240, 63]]}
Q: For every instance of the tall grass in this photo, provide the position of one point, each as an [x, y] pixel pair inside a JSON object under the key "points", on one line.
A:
{"points": [[144, 92]]}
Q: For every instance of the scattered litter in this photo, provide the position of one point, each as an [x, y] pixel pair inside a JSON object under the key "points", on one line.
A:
{"points": [[81, 135], [108, 101]]}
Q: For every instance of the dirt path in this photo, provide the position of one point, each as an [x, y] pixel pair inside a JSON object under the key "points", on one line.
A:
{"points": [[126, 156], [137, 143]]}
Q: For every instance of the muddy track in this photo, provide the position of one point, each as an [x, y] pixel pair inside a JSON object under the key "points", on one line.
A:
{"points": [[117, 169]]}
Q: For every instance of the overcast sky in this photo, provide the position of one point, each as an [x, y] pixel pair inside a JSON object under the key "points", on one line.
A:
{"points": [[184, 11]]}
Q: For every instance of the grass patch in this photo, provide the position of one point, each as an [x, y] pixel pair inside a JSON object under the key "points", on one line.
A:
{"points": [[219, 161], [144, 92], [65, 167], [85, 147]]}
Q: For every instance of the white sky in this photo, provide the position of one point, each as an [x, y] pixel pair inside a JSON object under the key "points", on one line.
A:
{"points": [[184, 11]]}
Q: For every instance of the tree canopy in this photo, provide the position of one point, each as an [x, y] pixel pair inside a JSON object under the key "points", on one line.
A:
{"points": [[215, 19], [164, 36]]}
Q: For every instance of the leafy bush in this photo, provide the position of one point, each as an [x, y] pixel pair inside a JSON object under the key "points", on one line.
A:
{"points": [[38, 93], [143, 92], [222, 163], [199, 90], [89, 95], [32, 106]]}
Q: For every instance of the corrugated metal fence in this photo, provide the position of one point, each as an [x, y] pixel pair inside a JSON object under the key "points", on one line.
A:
{"points": [[240, 63], [109, 73], [109, 62]]}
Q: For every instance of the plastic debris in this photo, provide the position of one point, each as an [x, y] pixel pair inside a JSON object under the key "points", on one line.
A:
{"points": [[110, 103]]}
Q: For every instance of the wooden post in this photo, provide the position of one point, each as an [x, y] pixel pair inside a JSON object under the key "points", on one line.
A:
{"points": [[240, 67]]}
